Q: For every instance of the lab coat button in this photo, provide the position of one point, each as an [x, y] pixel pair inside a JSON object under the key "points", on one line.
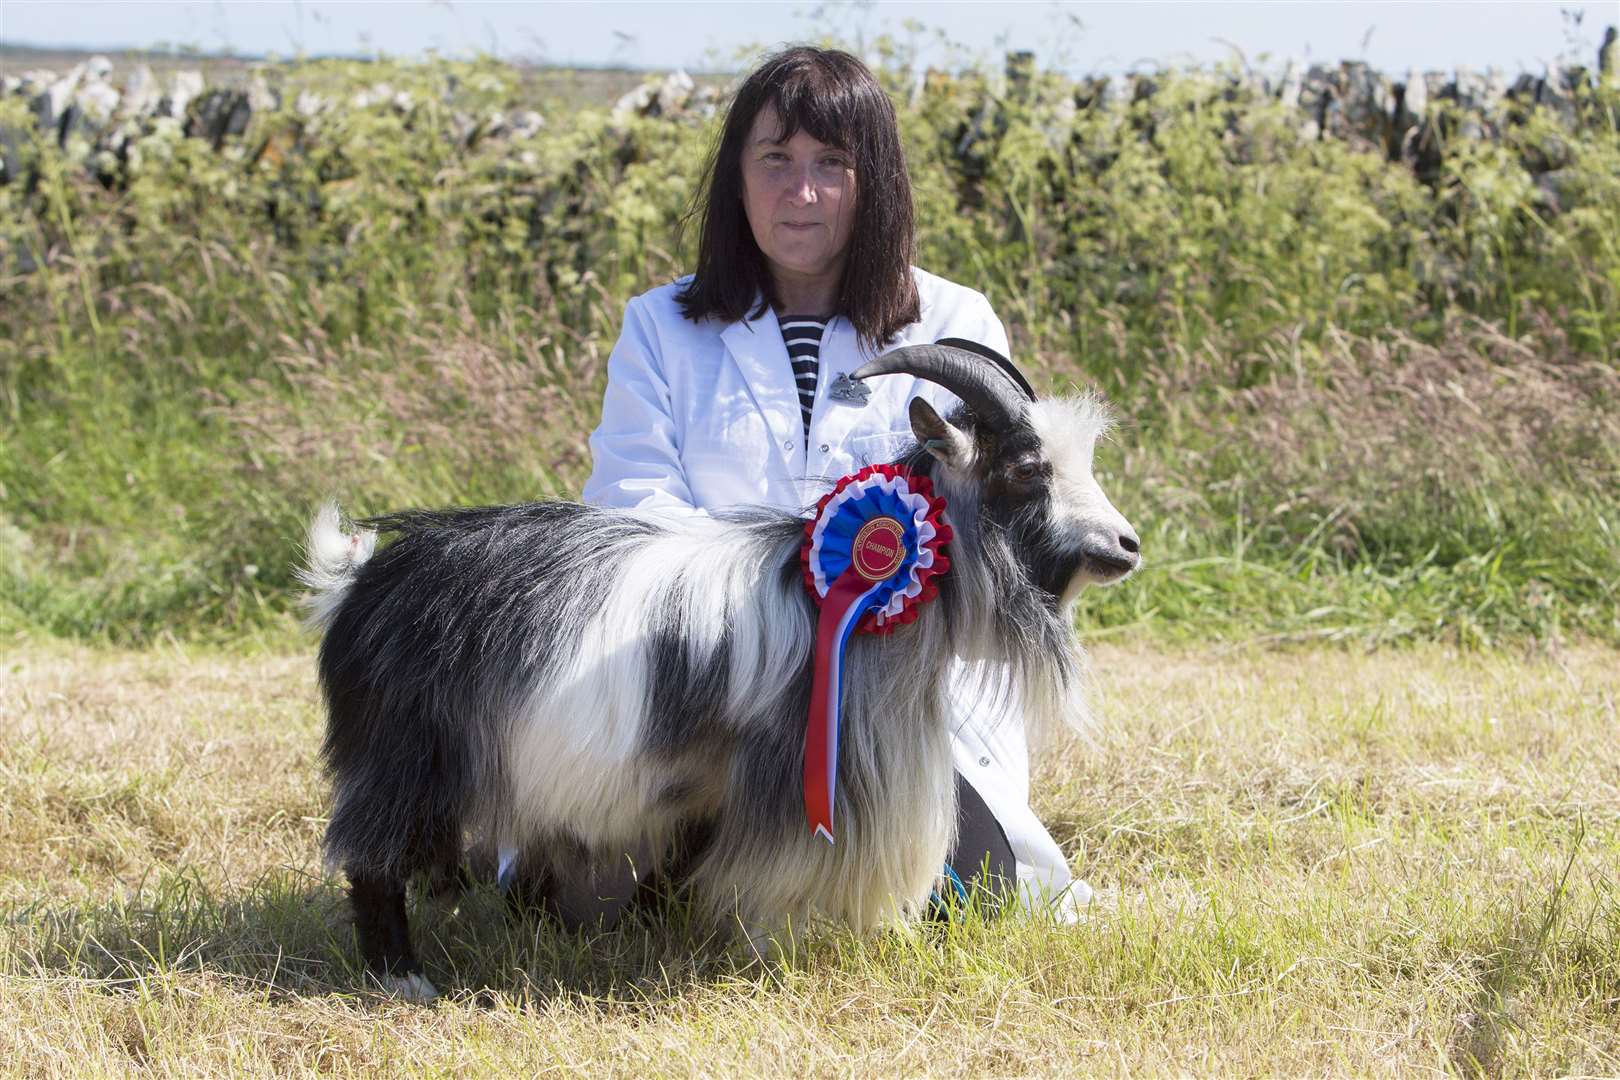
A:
{"points": [[984, 762], [787, 444], [823, 448]]}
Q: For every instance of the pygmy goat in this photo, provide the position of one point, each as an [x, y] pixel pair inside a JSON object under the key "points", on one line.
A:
{"points": [[572, 681]]}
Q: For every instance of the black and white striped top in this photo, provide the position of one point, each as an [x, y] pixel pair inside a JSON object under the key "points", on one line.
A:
{"points": [[802, 333]]}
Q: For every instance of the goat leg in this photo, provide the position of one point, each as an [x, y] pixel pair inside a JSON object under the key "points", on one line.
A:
{"points": [[385, 935], [668, 881]]}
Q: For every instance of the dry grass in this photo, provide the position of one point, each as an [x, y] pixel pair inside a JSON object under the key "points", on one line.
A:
{"points": [[1379, 426], [1313, 861], [1387, 445], [475, 400]]}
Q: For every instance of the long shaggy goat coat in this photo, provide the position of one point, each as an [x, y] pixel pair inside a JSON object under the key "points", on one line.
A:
{"points": [[571, 680]]}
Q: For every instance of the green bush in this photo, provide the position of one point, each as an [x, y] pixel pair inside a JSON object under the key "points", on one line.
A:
{"points": [[398, 307]]}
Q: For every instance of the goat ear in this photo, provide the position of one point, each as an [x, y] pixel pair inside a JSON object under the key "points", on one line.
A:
{"points": [[950, 445]]}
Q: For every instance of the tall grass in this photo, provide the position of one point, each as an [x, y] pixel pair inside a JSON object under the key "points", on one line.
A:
{"points": [[1362, 405]]}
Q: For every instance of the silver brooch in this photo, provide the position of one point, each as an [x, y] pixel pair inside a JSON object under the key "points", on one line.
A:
{"points": [[850, 391]]}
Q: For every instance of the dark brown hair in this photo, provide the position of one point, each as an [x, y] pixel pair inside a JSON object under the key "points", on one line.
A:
{"points": [[835, 98]]}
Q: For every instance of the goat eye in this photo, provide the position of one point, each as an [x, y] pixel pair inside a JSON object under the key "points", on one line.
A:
{"points": [[1026, 471]]}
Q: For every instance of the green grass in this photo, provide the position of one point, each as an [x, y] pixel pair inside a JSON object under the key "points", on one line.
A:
{"points": [[1307, 861]]}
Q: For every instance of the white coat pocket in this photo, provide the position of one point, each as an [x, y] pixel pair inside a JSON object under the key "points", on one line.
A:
{"points": [[879, 448]]}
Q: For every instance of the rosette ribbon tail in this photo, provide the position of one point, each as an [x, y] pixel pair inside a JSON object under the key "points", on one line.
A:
{"points": [[841, 609], [869, 556]]}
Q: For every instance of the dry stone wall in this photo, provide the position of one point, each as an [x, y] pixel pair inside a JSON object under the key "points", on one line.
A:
{"points": [[99, 121]]}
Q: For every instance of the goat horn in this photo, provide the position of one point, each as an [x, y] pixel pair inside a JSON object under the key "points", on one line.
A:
{"points": [[995, 393], [994, 357]]}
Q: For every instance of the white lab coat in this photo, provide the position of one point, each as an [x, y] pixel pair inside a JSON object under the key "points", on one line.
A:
{"points": [[699, 416]]}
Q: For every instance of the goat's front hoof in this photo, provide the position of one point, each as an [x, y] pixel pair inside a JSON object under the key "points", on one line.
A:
{"points": [[413, 988]]}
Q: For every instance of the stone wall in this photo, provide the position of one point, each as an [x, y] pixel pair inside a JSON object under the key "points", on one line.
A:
{"points": [[98, 120]]}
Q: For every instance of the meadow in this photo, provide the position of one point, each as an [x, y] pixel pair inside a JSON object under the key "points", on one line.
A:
{"points": [[1354, 804], [1307, 863]]}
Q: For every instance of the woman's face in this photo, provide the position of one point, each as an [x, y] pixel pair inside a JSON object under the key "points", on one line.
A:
{"points": [[800, 199]]}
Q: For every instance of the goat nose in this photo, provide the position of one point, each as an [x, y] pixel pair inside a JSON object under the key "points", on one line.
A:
{"points": [[1110, 555]]}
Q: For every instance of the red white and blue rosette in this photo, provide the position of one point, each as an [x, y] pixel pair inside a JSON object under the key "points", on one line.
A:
{"points": [[870, 554]]}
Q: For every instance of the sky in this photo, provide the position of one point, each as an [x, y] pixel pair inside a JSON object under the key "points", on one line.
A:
{"points": [[1070, 36]]}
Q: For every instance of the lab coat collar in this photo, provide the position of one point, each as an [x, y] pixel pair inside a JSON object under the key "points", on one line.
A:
{"points": [[757, 348], [841, 354]]}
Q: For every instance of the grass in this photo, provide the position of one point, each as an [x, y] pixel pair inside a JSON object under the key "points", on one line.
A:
{"points": [[1315, 860]]}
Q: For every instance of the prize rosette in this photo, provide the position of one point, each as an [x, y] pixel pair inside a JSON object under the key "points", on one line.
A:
{"points": [[870, 555]]}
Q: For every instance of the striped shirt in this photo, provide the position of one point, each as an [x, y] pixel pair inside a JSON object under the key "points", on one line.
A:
{"points": [[802, 334]]}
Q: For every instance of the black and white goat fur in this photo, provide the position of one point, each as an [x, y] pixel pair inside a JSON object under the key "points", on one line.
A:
{"points": [[573, 681]]}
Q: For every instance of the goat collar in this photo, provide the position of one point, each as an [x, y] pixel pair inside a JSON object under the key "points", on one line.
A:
{"points": [[870, 555]]}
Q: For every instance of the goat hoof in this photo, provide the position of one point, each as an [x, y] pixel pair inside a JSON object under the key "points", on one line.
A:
{"points": [[757, 945], [413, 988]]}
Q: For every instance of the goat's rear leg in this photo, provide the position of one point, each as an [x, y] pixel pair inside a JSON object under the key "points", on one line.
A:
{"points": [[385, 935]]}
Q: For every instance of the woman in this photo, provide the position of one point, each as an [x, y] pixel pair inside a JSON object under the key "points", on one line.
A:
{"points": [[730, 386]]}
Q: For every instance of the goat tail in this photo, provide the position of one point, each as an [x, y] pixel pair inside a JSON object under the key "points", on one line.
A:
{"points": [[334, 556]]}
